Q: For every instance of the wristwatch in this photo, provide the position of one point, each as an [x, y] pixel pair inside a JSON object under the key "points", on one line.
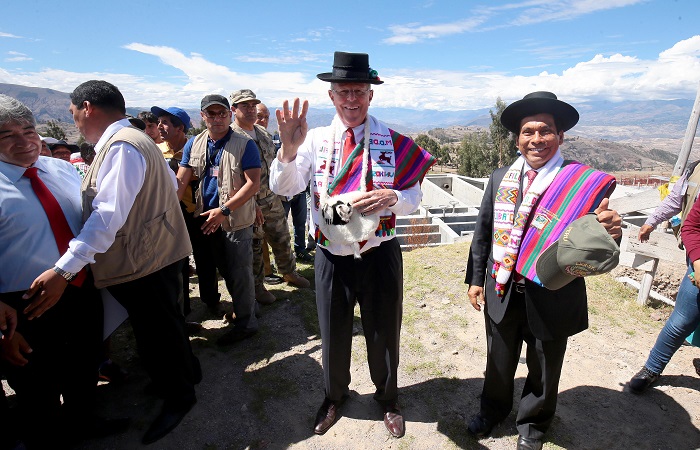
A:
{"points": [[66, 275], [225, 210]]}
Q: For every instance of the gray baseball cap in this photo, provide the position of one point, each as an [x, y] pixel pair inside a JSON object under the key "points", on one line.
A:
{"points": [[585, 248], [243, 95]]}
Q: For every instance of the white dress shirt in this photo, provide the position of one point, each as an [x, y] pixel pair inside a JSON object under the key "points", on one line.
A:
{"points": [[291, 178]]}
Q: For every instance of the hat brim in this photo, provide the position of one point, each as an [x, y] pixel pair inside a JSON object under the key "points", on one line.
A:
{"points": [[565, 115], [138, 123], [548, 271], [72, 147], [159, 111], [328, 76], [207, 105], [249, 99]]}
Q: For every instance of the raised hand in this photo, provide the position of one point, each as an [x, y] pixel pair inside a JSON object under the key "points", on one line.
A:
{"points": [[293, 128]]}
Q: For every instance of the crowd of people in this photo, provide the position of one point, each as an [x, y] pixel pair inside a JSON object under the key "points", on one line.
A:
{"points": [[121, 224]]}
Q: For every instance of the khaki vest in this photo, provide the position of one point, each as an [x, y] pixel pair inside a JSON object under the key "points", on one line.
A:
{"points": [[692, 191], [268, 153], [230, 179], [154, 234]]}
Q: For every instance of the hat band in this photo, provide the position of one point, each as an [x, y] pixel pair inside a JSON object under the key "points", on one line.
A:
{"points": [[349, 74]]}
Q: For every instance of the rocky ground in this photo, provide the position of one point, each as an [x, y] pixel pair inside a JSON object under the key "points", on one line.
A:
{"points": [[263, 392]]}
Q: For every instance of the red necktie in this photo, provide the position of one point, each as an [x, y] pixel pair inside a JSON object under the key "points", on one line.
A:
{"points": [[349, 145], [530, 174], [59, 225]]}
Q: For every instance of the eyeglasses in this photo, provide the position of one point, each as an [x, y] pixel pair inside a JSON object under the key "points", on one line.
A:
{"points": [[213, 115], [345, 93]]}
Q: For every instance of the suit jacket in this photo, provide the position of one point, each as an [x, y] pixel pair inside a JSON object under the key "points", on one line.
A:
{"points": [[550, 314]]}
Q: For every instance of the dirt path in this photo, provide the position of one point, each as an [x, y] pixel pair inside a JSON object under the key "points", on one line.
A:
{"points": [[264, 392]]}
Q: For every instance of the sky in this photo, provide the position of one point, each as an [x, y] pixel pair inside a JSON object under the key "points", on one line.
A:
{"points": [[431, 54]]}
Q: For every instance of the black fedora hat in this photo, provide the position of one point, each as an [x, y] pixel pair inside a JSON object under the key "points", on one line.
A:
{"points": [[351, 68], [539, 102]]}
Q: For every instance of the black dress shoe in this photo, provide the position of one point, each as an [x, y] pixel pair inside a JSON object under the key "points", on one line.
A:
{"points": [[393, 420], [642, 380], [170, 417], [193, 328], [99, 427], [480, 426], [234, 336], [326, 416], [303, 256], [525, 443]]}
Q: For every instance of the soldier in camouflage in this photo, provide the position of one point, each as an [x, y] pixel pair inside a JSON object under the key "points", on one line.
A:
{"points": [[274, 228]]}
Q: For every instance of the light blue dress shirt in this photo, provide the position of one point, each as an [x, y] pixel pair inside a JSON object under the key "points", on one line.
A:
{"points": [[27, 244]]}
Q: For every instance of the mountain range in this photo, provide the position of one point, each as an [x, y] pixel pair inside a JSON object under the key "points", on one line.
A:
{"points": [[649, 125]]}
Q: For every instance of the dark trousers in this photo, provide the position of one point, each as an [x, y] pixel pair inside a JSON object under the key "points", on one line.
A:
{"points": [[66, 342], [544, 361], [159, 329], [297, 205], [205, 253], [231, 253], [376, 283]]}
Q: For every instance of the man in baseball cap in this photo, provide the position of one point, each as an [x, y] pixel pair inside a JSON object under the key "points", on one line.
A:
{"points": [[220, 156]]}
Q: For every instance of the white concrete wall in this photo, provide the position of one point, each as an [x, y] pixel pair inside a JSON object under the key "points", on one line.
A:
{"points": [[433, 194], [467, 193]]}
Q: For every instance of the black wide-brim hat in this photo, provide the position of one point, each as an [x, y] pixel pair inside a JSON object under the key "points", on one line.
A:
{"points": [[351, 68], [539, 102]]}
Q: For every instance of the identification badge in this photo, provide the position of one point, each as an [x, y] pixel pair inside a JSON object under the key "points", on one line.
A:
{"points": [[540, 221], [214, 171]]}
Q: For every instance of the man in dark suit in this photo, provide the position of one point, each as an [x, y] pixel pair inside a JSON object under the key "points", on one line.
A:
{"points": [[517, 309]]}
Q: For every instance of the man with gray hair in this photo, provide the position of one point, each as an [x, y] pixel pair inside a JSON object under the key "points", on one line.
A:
{"points": [[357, 261], [134, 239], [40, 211]]}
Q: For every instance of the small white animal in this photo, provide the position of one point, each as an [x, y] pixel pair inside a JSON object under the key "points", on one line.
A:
{"points": [[343, 224]]}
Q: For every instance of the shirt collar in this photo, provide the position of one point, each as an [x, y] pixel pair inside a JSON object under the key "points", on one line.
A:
{"points": [[14, 173], [109, 132], [221, 141]]}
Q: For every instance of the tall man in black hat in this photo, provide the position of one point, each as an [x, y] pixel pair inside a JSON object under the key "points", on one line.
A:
{"points": [[514, 219], [354, 215]]}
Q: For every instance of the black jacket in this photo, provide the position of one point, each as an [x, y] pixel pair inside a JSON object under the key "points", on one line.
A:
{"points": [[550, 314]]}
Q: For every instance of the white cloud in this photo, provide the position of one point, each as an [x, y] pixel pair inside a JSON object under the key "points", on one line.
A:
{"points": [[494, 17], [675, 73], [413, 32], [291, 58], [8, 35], [17, 57]]}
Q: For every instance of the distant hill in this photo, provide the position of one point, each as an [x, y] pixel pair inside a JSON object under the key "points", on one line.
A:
{"points": [[46, 104]]}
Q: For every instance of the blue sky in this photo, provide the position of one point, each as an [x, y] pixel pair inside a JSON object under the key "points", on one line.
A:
{"points": [[435, 54]]}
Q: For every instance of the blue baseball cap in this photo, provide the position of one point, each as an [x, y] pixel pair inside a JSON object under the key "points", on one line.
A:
{"points": [[175, 112]]}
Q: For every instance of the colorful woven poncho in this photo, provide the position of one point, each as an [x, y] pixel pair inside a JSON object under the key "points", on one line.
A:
{"points": [[395, 162]]}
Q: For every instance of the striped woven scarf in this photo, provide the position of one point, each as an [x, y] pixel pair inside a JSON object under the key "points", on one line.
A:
{"points": [[576, 191], [395, 162], [509, 225]]}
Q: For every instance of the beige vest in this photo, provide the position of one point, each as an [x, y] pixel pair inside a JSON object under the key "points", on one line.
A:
{"points": [[268, 153], [154, 234], [691, 193], [230, 179]]}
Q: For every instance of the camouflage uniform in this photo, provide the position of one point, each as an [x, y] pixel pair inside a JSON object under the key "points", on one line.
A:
{"points": [[275, 229]]}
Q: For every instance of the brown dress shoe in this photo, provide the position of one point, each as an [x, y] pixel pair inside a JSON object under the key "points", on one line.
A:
{"points": [[297, 280], [393, 421], [263, 296], [326, 416]]}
